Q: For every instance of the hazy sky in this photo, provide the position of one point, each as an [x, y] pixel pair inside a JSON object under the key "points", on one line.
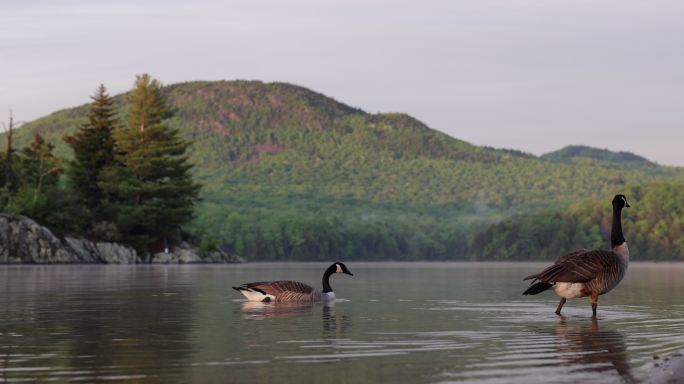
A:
{"points": [[534, 75]]}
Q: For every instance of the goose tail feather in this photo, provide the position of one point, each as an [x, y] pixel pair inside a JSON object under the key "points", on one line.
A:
{"points": [[531, 277], [537, 288]]}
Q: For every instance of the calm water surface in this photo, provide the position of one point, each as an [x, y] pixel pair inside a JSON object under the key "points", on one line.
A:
{"points": [[392, 322]]}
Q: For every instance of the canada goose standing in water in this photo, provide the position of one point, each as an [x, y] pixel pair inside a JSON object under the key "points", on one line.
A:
{"points": [[286, 290], [587, 273]]}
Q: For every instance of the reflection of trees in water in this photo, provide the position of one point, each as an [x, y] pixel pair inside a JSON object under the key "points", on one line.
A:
{"points": [[148, 330], [593, 349], [71, 323], [6, 352]]}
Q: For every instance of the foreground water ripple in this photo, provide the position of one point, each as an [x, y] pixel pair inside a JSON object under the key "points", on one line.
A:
{"points": [[394, 322]]}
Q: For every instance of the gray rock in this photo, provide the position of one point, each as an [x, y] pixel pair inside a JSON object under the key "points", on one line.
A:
{"points": [[188, 256], [179, 256], [212, 257], [115, 253], [22, 240], [86, 250], [108, 253], [219, 256], [164, 258], [185, 254], [669, 370]]}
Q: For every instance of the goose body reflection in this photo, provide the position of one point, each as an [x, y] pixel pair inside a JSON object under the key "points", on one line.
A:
{"points": [[261, 310], [334, 325], [591, 349]]}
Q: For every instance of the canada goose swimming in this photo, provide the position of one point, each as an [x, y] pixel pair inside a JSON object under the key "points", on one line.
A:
{"points": [[587, 273], [286, 290]]}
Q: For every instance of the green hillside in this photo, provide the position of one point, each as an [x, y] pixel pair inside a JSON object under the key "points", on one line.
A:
{"points": [[653, 226], [579, 153], [291, 174]]}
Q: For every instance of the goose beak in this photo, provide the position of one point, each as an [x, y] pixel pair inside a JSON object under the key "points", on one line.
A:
{"points": [[348, 273], [627, 205]]}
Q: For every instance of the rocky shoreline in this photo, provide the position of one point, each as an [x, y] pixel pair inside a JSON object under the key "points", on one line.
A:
{"points": [[23, 241], [669, 370]]}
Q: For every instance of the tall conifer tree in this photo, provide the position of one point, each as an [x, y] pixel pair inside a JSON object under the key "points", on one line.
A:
{"points": [[38, 166], [93, 147], [151, 183], [38, 173]]}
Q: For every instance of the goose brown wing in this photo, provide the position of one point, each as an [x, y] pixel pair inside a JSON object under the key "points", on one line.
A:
{"points": [[579, 267], [278, 287], [570, 255]]}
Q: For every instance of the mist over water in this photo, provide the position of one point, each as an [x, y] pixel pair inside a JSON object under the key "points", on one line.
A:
{"points": [[392, 322]]}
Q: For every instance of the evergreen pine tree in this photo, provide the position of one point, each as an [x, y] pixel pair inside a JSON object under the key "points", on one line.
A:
{"points": [[7, 179], [38, 177], [93, 147], [38, 166], [151, 184]]}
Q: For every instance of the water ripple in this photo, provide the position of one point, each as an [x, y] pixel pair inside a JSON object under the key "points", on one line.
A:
{"points": [[343, 349], [398, 324]]}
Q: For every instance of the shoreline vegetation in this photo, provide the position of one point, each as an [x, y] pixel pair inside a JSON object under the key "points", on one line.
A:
{"points": [[276, 172], [125, 183], [26, 242]]}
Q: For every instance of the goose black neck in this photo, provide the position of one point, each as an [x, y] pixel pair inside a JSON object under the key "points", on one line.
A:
{"points": [[326, 278], [616, 237]]}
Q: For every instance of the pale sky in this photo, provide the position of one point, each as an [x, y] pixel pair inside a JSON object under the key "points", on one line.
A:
{"points": [[533, 75]]}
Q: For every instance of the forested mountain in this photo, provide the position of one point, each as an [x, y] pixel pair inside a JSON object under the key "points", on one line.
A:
{"points": [[653, 226], [289, 174], [576, 153]]}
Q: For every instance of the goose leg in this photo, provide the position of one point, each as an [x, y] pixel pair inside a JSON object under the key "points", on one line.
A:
{"points": [[560, 305], [594, 303]]}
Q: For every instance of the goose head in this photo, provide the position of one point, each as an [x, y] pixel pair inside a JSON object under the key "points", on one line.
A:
{"points": [[620, 201], [341, 268]]}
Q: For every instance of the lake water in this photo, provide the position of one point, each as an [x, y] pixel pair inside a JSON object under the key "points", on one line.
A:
{"points": [[392, 322]]}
